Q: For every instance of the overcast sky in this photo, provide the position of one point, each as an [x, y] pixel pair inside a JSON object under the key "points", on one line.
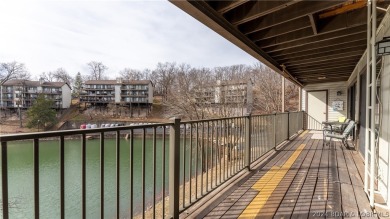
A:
{"points": [[46, 35]]}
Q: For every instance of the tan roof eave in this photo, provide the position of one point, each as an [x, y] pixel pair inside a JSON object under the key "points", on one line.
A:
{"points": [[206, 20]]}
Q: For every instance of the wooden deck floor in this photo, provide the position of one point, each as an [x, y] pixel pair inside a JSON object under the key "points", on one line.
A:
{"points": [[304, 180]]}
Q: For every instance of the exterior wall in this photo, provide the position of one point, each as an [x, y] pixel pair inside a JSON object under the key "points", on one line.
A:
{"points": [[332, 89], [384, 138], [249, 94], [384, 129], [150, 93], [66, 96], [118, 93], [61, 95]]}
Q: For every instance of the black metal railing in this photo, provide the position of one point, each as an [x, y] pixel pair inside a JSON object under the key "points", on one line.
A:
{"points": [[201, 156]]}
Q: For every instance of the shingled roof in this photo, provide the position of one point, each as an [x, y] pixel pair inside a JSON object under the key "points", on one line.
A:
{"points": [[22, 82]]}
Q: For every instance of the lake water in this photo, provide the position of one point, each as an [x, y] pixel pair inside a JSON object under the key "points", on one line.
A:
{"points": [[20, 164]]}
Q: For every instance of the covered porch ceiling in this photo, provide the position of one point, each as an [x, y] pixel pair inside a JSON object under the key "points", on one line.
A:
{"points": [[313, 41]]}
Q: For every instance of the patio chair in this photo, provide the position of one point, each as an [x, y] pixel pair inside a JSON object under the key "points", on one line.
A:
{"points": [[343, 137], [340, 129]]}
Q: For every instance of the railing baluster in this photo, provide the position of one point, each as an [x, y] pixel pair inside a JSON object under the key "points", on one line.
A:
{"points": [[143, 170], [62, 178], [207, 156], [154, 171], [225, 148], [4, 179], [248, 142], [202, 160], [190, 164], [230, 145], [102, 175], [83, 174], [163, 173], [131, 151], [118, 134], [218, 153], [212, 154], [184, 164], [196, 161], [36, 177]]}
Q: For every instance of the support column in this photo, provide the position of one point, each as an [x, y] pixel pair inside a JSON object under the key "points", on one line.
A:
{"points": [[174, 168], [299, 99], [283, 93], [370, 142], [373, 103], [368, 67]]}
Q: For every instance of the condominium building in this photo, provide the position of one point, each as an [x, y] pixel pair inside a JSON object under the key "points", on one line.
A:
{"points": [[22, 93], [237, 96], [119, 91], [226, 92]]}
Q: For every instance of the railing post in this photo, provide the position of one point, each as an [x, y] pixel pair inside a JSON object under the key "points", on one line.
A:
{"points": [[174, 168], [4, 179], [248, 132], [274, 130], [288, 125]]}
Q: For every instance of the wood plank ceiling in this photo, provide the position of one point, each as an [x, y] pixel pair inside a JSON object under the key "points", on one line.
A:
{"points": [[316, 41]]}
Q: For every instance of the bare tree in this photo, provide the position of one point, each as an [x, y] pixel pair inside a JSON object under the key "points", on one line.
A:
{"points": [[59, 75], [62, 75], [12, 70], [47, 76], [268, 91], [131, 74], [187, 88], [97, 70], [164, 76]]}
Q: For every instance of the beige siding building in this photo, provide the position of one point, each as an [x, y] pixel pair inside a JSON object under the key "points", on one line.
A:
{"points": [[22, 93], [234, 96], [124, 92]]}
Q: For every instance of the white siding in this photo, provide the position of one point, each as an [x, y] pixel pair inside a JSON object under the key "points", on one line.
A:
{"points": [[118, 93], [66, 96], [150, 93], [384, 137], [332, 89]]}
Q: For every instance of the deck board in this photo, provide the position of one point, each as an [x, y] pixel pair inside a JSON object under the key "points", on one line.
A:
{"points": [[301, 209], [318, 202], [225, 210], [288, 203], [333, 203], [322, 182], [349, 205]]}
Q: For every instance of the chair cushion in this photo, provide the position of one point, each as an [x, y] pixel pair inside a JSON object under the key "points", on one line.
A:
{"points": [[342, 119]]}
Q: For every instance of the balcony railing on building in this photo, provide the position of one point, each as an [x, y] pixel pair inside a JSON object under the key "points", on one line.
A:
{"points": [[194, 158]]}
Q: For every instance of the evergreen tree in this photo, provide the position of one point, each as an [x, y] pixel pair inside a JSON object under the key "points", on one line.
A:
{"points": [[41, 113], [77, 85]]}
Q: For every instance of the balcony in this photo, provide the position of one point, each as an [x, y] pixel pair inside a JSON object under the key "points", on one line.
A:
{"points": [[96, 100], [225, 142], [134, 95], [99, 89], [51, 92], [134, 88]]}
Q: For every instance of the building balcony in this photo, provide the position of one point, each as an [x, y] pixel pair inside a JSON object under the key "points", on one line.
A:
{"points": [[96, 101], [134, 89], [98, 89], [134, 95]]}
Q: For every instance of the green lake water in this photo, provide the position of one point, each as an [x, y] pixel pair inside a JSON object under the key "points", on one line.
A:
{"points": [[20, 172]]}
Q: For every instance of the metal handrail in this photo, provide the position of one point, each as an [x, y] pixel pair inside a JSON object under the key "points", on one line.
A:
{"points": [[210, 152]]}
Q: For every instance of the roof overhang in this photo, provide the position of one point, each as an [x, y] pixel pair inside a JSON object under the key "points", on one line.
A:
{"points": [[305, 41]]}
